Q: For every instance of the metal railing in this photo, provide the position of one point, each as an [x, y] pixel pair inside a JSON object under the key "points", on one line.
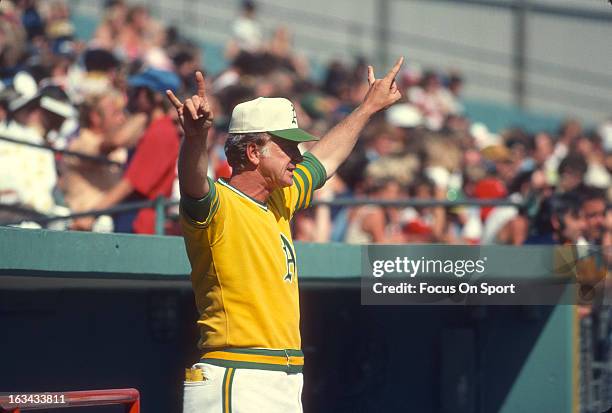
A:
{"points": [[596, 361], [92, 158], [161, 204]]}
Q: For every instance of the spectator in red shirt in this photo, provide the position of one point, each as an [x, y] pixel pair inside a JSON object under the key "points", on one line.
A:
{"points": [[151, 169]]}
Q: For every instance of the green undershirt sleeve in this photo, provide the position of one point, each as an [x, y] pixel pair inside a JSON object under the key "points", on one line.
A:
{"points": [[199, 209]]}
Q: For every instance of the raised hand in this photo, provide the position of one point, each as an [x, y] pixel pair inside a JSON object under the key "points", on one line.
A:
{"points": [[195, 114], [383, 92]]}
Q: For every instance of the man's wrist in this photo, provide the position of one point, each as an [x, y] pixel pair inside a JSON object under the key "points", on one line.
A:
{"points": [[198, 135], [365, 110]]}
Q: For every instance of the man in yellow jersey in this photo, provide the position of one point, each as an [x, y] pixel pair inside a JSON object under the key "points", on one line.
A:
{"points": [[237, 235]]}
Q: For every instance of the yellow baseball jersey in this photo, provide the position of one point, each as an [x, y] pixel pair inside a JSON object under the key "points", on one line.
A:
{"points": [[244, 268]]}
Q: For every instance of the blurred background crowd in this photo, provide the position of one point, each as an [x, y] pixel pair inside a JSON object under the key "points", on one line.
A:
{"points": [[86, 126]]}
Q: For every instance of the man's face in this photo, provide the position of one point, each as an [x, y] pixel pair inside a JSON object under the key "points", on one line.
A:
{"points": [[569, 180], [111, 112], [574, 226], [386, 144], [573, 129], [506, 169], [543, 148], [594, 213], [278, 161], [141, 100], [187, 69]]}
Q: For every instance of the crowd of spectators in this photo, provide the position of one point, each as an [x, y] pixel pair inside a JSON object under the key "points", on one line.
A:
{"points": [[105, 98]]}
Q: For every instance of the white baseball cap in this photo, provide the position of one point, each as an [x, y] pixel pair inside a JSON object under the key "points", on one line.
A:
{"points": [[27, 89], [404, 115], [276, 116]]}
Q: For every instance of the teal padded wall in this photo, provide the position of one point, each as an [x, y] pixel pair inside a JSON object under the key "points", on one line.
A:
{"points": [[82, 311]]}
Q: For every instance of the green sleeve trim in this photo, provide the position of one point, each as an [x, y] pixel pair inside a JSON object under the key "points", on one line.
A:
{"points": [[316, 169], [299, 188], [198, 209], [305, 190]]}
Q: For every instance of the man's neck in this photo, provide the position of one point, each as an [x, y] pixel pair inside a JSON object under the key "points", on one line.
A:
{"points": [[94, 132], [252, 184], [157, 113]]}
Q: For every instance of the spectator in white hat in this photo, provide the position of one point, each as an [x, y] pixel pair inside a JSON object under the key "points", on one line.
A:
{"points": [[28, 173]]}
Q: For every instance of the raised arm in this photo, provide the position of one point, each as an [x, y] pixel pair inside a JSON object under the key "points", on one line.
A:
{"points": [[338, 143], [195, 117], [126, 135]]}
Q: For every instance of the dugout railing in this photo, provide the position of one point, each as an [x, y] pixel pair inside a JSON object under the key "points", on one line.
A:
{"points": [[161, 204]]}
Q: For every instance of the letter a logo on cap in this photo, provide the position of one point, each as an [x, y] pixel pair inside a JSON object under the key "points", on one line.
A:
{"points": [[294, 121]]}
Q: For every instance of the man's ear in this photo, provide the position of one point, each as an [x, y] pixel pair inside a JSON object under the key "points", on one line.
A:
{"points": [[253, 153]]}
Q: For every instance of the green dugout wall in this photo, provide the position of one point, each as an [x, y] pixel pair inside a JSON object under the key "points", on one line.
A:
{"points": [[86, 311]]}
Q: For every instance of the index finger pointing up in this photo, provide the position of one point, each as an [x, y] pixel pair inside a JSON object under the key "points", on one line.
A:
{"points": [[371, 78], [175, 101], [201, 84], [395, 69]]}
